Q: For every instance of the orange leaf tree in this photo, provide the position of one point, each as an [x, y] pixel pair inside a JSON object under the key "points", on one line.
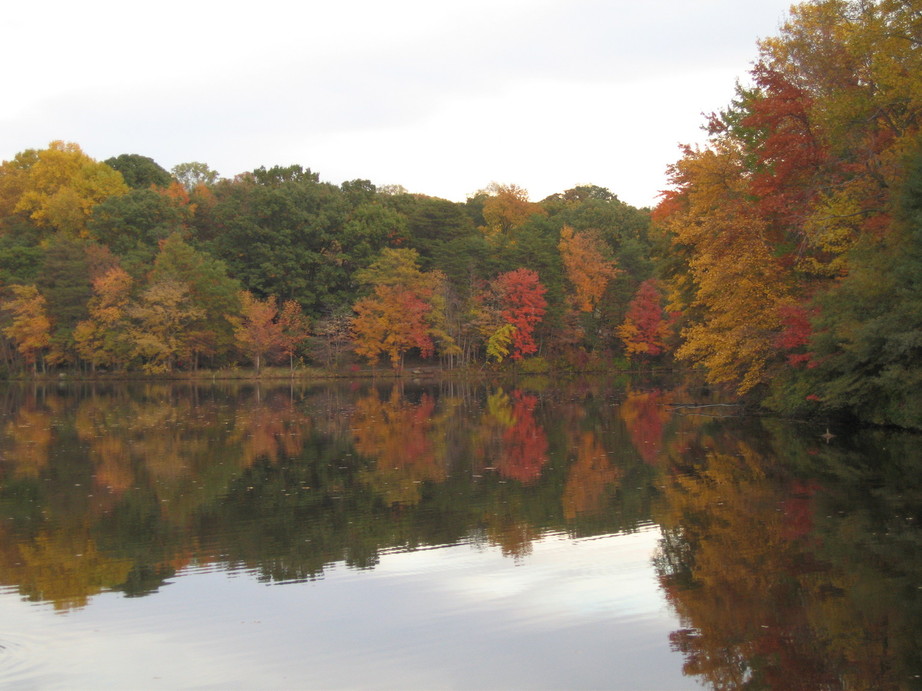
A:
{"points": [[734, 280], [102, 339], [391, 322], [404, 311], [29, 327], [295, 328], [588, 267], [258, 332]]}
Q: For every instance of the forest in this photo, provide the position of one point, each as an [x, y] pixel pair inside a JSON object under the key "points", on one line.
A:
{"points": [[784, 258]]}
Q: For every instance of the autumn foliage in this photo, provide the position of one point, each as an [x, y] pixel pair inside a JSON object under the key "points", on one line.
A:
{"points": [[514, 299], [403, 311], [797, 211], [646, 327], [588, 268], [141, 269], [29, 327]]}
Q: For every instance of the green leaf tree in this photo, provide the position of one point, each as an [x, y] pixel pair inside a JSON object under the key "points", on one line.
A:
{"points": [[211, 292], [139, 172]]}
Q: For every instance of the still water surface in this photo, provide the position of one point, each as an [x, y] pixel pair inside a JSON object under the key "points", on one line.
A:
{"points": [[544, 534]]}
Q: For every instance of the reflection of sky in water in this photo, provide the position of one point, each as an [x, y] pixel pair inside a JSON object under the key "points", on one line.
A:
{"points": [[572, 614]]}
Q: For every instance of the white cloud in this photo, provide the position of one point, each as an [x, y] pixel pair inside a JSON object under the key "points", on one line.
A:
{"points": [[439, 97], [572, 614]]}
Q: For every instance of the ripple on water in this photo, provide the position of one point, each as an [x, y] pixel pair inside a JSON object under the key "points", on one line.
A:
{"points": [[20, 659]]}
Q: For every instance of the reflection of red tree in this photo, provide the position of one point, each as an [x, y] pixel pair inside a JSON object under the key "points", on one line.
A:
{"points": [[797, 510], [645, 414], [524, 442]]}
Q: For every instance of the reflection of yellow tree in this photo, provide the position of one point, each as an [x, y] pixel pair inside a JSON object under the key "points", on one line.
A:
{"points": [[863, 619], [154, 431], [738, 565], [590, 479], [159, 434], [166, 442], [114, 470], [64, 567], [513, 535], [398, 435], [27, 438]]}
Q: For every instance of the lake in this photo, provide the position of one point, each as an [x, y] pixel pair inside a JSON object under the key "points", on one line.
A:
{"points": [[538, 534]]}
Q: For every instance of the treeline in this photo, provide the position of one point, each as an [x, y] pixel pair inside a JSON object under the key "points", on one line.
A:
{"points": [[121, 265], [795, 236], [785, 259]]}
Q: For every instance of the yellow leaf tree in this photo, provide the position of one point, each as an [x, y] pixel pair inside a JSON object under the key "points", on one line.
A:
{"points": [[160, 322], [737, 284], [57, 187], [505, 208]]}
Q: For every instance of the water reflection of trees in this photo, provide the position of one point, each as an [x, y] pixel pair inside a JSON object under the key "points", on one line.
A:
{"points": [[122, 486], [398, 437], [791, 562], [801, 573]]}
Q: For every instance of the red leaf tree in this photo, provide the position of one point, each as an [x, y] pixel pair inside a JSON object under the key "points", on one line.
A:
{"points": [[515, 298], [645, 326]]}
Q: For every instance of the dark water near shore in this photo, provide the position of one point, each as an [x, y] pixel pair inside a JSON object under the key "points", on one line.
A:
{"points": [[542, 534]]}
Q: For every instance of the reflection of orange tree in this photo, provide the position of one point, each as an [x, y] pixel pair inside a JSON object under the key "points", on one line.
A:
{"points": [[645, 415], [590, 480], [272, 428], [165, 437], [93, 422], [164, 442], [153, 442], [398, 436], [734, 563], [26, 440]]}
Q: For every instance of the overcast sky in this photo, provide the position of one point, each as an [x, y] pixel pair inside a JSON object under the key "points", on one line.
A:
{"points": [[439, 96]]}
